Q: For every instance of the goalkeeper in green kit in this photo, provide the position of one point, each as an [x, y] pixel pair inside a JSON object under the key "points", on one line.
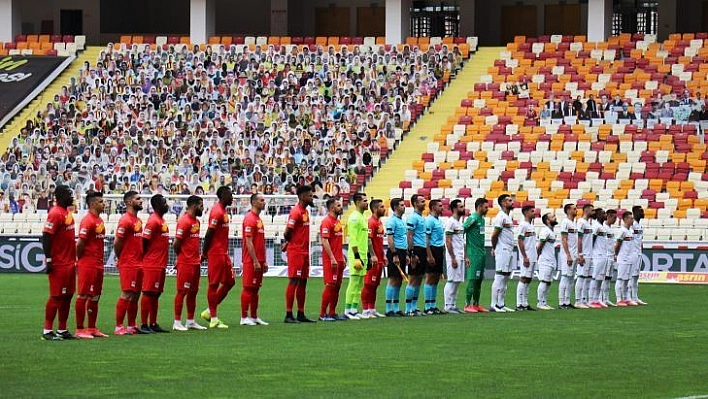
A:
{"points": [[358, 261], [476, 255]]}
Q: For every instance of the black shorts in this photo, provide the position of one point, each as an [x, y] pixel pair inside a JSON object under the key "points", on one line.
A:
{"points": [[391, 269], [422, 264], [439, 256]]}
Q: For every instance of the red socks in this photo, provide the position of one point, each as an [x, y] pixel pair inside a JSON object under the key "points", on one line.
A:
{"points": [[64, 309], [368, 297], [334, 299], [179, 303], [213, 298], [145, 308], [92, 308], [80, 309], [132, 312], [191, 305], [254, 302], [300, 295], [121, 310], [246, 301], [153, 311], [330, 298], [290, 295], [50, 311]]}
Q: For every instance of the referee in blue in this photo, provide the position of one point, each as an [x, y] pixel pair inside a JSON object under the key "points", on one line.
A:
{"points": [[397, 257], [417, 243]]}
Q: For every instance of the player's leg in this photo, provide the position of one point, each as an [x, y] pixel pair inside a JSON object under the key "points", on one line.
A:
{"points": [[133, 304], [579, 285], [393, 293], [249, 301], [255, 299]]}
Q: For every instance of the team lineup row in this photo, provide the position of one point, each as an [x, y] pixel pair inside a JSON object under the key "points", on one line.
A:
{"points": [[419, 248]]}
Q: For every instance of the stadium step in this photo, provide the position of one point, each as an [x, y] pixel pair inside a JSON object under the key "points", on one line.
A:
{"points": [[12, 128], [415, 143]]}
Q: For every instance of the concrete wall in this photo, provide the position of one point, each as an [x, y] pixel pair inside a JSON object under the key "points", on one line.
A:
{"points": [[33, 12], [243, 17]]}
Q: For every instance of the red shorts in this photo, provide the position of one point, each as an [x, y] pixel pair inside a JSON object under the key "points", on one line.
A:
{"points": [[90, 281], [251, 277], [220, 270], [298, 265], [188, 278], [153, 280], [62, 281], [330, 277], [373, 275], [131, 279]]}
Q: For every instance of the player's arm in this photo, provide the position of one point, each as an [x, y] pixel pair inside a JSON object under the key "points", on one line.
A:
{"points": [[358, 263], [177, 244], [288, 233], [565, 247], [618, 244], [539, 247], [428, 250], [580, 241], [47, 247], [371, 253], [118, 244], [251, 249], [495, 238], [522, 247], [80, 248], [448, 246], [209, 236], [324, 240]]}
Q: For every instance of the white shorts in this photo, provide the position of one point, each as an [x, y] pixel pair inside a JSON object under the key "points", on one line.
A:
{"points": [[526, 271], [455, 275], [504, 260], [545, 272], [585, 270], [599, 268], [637, 266], [624, 271], [611, 270], [567, 270]]}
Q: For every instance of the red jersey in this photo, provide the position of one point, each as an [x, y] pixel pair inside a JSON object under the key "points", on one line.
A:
{"points": [[253, 227], [157, 233], [219, 222], [331, 230], [60, 225], [376, 234], [299, 223], [93, 232], [130, 229], [188, 232]]}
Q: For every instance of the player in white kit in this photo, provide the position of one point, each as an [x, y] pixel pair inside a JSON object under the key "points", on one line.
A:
{"points": [[526, 242], [455, 258], [599, 259], [626, 253], [503, 253], [546, 251], [568, 256], [611, 272], [585, 249], [638, 231]]}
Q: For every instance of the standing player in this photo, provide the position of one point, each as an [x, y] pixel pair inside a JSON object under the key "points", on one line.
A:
{"points": [[526, 241], [156, 246], [397, 259], [638, 231], [357, 255], [568, 256], [59, 247], [254, 261], [611, 272], [599, 259], [297, 244], [435, 253], [476, 255], [585, 249], [129, 251], [89, 251], [546, 251], [373, 275], [503, 253], [333, 263], [625, 253], [186, 246], [455, 255], [418, 254], [216, 250]]}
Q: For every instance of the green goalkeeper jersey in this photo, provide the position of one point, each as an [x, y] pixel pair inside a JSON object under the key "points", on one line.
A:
{"points": [[474, 232], [358, 231]]}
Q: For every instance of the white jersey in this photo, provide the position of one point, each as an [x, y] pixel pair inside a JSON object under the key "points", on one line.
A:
{"points": [[585, 233], [599, 232], [527, 232], [570, 229], [548, 252], [627, 252], [638, 233], [455, 229], [610, 249], [504, 223]]}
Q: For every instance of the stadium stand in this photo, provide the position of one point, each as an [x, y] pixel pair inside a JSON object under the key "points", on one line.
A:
{"points": [[51, 45], [645, 149]]}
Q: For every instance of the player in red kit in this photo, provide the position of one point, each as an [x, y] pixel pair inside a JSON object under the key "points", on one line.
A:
{"points": [[333, 263], [296, 244], [129, 251], [373, 274], [216, 251], [59, 247], [156, 244], [254, 261], [89, 251], [186, 247]]}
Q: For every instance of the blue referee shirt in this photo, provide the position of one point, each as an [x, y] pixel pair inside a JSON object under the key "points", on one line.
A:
{"points": [[434, 228], [416, 224], [397, 228]]}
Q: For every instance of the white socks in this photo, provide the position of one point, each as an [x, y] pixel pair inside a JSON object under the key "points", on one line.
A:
{"points": [[498, 290], [621, 290], [522, 293], [543, 292], [566, 284], [451, 294], [579, 284]]}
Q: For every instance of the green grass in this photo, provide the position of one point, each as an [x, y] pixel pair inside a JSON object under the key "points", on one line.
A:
{"points": [[653, 351]]}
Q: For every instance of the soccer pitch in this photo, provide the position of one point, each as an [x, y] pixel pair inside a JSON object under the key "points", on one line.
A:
{"points": [[653, 351]]}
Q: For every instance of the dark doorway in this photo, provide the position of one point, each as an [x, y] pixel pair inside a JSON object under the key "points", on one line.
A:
{"points": [[72, 22]]}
